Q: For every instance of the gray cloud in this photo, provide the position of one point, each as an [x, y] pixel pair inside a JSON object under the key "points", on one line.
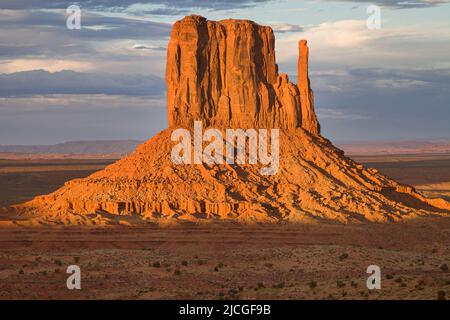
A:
{"points": [[402, 4], [113, 27], [383, 104], [286, 27], [69, 82], [37, 34], [56, 118], [168, 7]]}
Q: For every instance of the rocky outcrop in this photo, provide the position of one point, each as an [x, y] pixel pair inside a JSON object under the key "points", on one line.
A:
{"points": [[225, 74], [309, 119]]}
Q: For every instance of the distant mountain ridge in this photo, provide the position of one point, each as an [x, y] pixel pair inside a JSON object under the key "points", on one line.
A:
{"points": [[396, 147], [120, 147]]}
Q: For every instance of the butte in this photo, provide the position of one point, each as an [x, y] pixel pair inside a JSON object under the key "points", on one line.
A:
{"points": [[224, 74]]}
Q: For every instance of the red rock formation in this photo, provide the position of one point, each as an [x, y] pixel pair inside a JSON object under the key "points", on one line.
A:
{"points": [[309, 119], [225, 74]]}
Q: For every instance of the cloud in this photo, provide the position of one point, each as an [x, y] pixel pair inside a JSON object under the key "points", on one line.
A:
{"points": [[70, 82], [165, 6], [382, 103], [350, 43], [285, 27], [52, 65], [399, 83], [326, 113], [93, 26], [50, 119], [139, 46], [405, 4]]}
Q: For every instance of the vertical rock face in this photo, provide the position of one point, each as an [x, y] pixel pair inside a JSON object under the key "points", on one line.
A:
{"points": [[225, 74], [309, 119]]}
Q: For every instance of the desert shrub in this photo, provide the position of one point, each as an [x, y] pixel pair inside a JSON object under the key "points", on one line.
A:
{"points": [[312, 284], [156, 264], [441, 295], [389, 276], [58, 262], [343, 256], [177, 272], [232, 292], [340, 284], [279, 285], [444, 267], [184, 263]]}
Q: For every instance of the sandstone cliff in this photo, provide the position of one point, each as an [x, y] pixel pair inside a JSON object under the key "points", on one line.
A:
{"points": [[225, 74]]}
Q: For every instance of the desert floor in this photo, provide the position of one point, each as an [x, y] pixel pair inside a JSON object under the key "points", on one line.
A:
{"points": [[225, 261]]}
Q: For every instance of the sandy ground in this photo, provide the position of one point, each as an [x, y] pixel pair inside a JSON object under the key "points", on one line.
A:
{"points": [[228, 261], [223, 261]]}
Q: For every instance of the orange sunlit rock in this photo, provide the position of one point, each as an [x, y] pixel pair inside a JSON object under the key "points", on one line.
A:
{"points": [[225, 74]]}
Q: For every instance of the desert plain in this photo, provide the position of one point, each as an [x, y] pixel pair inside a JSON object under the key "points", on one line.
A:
{"points": [[322, 260]]}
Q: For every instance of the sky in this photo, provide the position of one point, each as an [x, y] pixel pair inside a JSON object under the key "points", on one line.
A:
{"points": [[106, 80]]}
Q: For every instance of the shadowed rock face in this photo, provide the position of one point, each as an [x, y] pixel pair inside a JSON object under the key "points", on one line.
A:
{"points": [[225, 74]]}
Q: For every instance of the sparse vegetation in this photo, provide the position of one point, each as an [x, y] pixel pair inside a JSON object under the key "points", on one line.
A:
{"points": [[279, 285], [58, 262], [343, 256], [312, 284]]}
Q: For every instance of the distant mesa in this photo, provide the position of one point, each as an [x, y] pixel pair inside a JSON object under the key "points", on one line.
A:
{"points": [[225, 74]]}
